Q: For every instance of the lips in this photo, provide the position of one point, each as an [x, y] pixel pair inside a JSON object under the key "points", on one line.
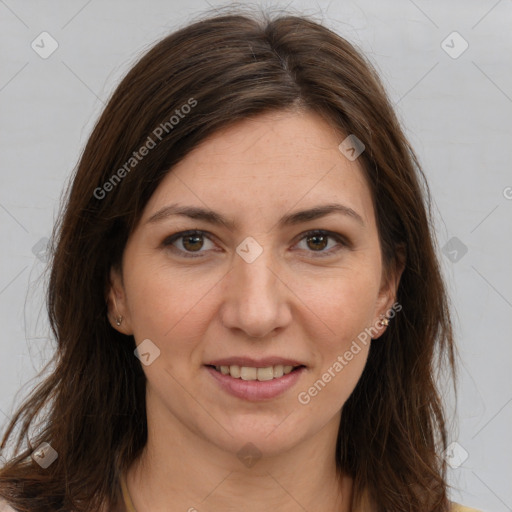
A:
{"points": [[255, 390], [254, 379]]}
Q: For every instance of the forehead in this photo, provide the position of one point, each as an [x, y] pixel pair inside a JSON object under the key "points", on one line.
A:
{"points": [[274, 162]]}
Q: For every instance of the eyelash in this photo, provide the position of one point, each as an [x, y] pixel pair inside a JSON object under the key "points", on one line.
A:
{"points": [[315, 232]]}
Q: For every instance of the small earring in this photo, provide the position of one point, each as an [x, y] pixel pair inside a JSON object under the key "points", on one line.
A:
{"points": [[385, 321], [119, 318]]}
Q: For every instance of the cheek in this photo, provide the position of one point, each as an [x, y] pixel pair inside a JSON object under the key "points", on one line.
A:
{"points": [[340, 358], [166, 305], [331, 382], [150, 299], [345, 308], [345, 303]]}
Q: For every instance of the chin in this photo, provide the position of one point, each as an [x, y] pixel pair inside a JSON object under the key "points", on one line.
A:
{"points": [[263, 436]]}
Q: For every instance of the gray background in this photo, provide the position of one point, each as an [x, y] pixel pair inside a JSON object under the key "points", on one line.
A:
{"points": [[456, 112]]}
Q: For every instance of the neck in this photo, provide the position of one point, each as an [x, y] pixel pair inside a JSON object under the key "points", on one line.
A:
{"points": [[182, 468], [236, 491]]}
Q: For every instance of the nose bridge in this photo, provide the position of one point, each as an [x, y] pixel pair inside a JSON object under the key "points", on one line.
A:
{"points": [[252, 273], [256, 277], [254, 302]]}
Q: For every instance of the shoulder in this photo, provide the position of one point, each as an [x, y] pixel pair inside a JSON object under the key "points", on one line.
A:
{"points": [[4, 507], [460, 508]]}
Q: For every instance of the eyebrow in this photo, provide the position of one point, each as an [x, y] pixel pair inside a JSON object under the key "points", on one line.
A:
{"points": [[291, 219]]}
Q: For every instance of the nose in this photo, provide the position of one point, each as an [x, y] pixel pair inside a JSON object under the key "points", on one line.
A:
{"points": [[256, 299]]}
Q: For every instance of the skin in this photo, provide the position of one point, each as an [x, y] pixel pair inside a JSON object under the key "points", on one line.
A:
{"points": [[290, 302]]}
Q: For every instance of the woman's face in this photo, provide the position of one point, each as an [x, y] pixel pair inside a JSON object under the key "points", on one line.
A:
{"points": [[255, 291]]}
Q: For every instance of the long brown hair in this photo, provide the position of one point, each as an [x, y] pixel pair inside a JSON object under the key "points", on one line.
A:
{"points": [[226, 67]]}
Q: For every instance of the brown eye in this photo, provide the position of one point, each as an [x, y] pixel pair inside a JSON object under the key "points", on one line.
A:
{"points": [[317, 242], [192, 242], [187, 242]]}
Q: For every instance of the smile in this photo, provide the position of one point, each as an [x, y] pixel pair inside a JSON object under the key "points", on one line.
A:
{"points": [[255, 384], [252, 373]]}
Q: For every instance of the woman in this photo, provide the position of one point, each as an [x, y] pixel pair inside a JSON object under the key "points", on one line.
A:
{"points": [[244, 291]]}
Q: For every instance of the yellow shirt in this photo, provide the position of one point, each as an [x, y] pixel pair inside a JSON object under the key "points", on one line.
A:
{"points": [[130, 507]]}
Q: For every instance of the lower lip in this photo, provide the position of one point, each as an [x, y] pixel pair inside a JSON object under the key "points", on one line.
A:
{"points": [[255, 390]]}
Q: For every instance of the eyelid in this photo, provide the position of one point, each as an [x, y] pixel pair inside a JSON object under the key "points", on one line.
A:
{"points": [[341, 239], [343, 243], [169, 240]]}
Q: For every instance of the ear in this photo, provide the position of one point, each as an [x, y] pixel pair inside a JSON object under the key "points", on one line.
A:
{"points": [[388, 291], [117, 305]]}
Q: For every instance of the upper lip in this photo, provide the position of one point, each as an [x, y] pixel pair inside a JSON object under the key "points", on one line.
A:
{"points": [[255, 363]]}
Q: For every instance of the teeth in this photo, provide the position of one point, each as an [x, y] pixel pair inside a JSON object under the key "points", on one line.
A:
{"points": [[250, 373], [265, 373], [247, 373], [278, 371], [234, 371]]}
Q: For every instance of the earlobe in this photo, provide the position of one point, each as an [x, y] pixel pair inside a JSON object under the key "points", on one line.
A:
{"points": [[116, 304], [119, 318], [388, 305]]}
